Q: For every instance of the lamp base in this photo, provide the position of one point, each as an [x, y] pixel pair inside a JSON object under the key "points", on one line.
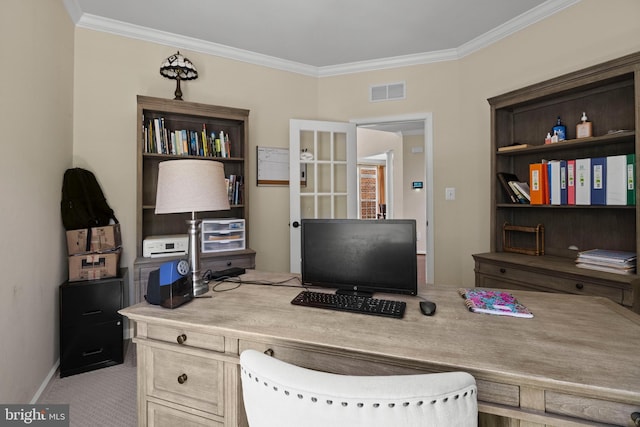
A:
{"points": [[200, 288], [198, 285], [178, 92]]}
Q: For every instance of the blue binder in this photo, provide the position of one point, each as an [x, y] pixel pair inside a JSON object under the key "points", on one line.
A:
{"points": [[598, 181]]}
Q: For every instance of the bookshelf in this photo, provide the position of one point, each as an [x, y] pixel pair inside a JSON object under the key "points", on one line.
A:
{"points": [[610, 95], [189, 119]]}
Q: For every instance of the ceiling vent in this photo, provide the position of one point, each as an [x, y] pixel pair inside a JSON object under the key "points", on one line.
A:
{"points": [[387, 92]]}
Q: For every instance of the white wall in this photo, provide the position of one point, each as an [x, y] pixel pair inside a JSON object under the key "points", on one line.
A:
{"points": [[415, 201], [36, 122]]}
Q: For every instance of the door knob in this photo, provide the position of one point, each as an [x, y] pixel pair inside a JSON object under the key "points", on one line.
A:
{"points": [[295, 224]]}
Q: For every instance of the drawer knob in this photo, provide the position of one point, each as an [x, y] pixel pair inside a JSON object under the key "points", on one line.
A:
{"points": [[579, 286], [182, 378], [269, 352], [181, 339], [635, 417], [503, 270]]}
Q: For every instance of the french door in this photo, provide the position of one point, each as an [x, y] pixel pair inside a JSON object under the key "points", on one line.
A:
{"points": [[326, 153]]}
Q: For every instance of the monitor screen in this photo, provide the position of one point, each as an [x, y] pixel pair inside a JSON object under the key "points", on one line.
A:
{"points": [[362, 256]]}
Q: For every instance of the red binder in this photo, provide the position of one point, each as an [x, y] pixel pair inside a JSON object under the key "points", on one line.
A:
{"points": [[571, 182]]}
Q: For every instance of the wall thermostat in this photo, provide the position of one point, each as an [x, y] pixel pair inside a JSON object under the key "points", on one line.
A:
{"points": [[416, 185]]}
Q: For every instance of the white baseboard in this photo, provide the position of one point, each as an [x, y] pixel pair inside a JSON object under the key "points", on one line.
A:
{"points": [[45, 383]]}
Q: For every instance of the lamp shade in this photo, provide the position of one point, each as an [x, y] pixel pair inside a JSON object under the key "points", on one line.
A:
{"points": [[191, 186], [178, 67]]}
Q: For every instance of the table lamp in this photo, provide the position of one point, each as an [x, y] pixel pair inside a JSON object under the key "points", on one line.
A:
{"points": [[177, 67], [192, 186]]}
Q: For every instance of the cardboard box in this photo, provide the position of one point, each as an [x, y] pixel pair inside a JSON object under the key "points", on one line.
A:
{"points": [[94, 266], [103, 239]]}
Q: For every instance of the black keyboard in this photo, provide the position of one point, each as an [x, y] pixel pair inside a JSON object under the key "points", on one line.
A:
{"points": [[353, 303]]}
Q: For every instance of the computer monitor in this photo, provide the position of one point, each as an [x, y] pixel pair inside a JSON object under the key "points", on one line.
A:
{"points": [[360, 256]]}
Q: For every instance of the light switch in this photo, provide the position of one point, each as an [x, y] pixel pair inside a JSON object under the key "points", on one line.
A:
{"points": [[450, 193]]}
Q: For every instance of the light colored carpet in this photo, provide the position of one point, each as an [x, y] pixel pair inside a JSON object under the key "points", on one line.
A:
{"points": [[102, 398]]}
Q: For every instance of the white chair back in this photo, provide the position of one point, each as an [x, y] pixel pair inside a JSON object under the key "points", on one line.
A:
{"points": [[279, 394]]}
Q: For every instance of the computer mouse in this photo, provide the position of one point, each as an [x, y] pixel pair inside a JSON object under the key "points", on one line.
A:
{"points": [[427, 308]]}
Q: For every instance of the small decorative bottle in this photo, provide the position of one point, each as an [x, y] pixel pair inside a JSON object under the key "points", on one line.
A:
{"points": [[560, 130], [555, 137], [583, 129], [547, 140]]}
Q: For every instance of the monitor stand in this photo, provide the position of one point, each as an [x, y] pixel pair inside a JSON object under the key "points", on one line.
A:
{"points": [[367, 294]]}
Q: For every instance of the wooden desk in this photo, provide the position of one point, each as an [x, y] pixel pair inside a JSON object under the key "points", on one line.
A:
{"points": [[577, 362]]}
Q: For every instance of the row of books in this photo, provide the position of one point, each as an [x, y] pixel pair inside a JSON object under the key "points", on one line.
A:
{"points": [[590, 181], [235, 185], [161, 140], [517, 191], [619, 262]]}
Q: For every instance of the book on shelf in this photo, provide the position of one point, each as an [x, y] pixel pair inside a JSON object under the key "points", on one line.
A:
{"points": [[610, 256], [521, 190], [495, 302], [606, 268], [235, 186], [514, 146], [159, 138], [612, 261], [504, 178]]}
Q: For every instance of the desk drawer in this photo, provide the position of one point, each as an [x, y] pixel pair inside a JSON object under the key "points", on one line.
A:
{"points": [[83, 303], [222, 263], [187, 339], [602, 411], [503, 275], [194, 381], [163, 416]]}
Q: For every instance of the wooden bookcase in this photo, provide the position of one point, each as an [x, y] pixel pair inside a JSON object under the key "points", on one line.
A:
{"points": [[610, 95], [189, 116]]}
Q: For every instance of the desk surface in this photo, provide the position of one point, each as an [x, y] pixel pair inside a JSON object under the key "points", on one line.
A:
{"points": [[574, 344]]}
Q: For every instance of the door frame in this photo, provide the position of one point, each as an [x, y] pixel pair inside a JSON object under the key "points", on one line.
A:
{"points": [[428, 150]]}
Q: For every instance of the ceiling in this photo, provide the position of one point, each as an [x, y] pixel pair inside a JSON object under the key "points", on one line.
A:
{"points": [[321, 37]]}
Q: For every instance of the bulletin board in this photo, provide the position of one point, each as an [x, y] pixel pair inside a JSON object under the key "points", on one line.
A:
{"points": [[273, 166]]}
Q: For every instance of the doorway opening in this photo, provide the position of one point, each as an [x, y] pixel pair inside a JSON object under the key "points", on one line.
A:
{"points": [[399, 165]]}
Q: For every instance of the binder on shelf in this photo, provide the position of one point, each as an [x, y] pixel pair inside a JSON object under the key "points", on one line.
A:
{"points": [[558, 182], [537, 180], [631, 179], [616, 180], [504, 178], [571, 182], [598, 181], [583, 181]]}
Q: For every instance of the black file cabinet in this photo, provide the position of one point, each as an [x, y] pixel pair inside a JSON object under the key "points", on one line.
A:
{"points": [[91, 330]]}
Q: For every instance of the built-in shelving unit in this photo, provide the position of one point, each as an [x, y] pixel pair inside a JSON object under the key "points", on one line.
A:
{"points": [[155, 145], [610, 95]]}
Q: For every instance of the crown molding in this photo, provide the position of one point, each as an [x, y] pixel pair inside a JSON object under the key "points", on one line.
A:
{"points": [[514, 25], [97, 23]]}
